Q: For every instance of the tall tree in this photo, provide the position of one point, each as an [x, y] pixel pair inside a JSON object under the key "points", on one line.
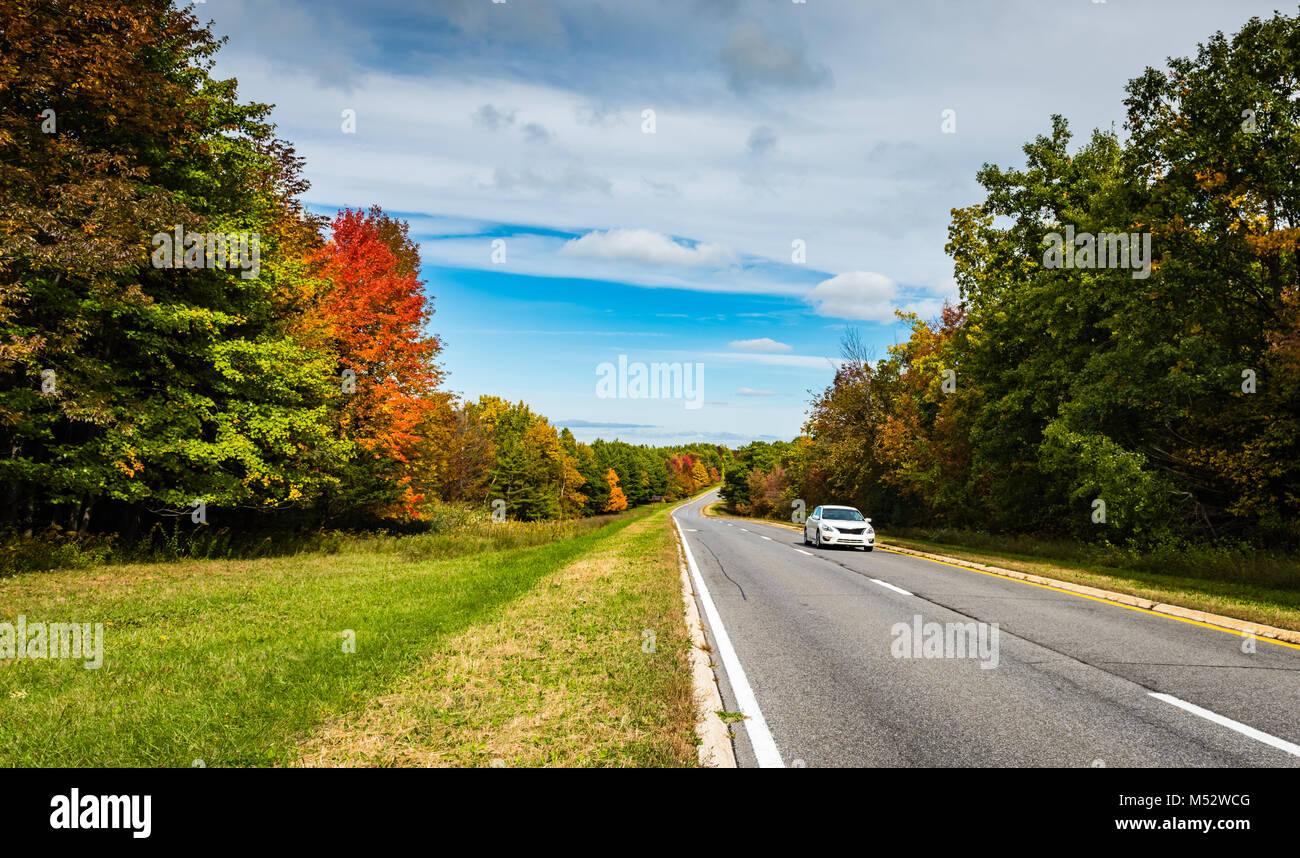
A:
{"points": [[378, 313], [126, 387]]}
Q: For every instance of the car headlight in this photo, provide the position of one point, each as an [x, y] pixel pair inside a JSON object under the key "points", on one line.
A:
{"points": [[828, 528]]}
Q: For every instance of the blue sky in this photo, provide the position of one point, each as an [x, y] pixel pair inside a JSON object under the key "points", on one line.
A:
{"points": [[774, 122]]}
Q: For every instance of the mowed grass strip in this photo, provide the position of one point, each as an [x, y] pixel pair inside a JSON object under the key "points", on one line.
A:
{"points": [[590, 668], [234, 662]]}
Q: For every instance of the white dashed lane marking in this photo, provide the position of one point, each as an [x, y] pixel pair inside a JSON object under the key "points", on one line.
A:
{"points": [[889, 586], [1243, 729]]}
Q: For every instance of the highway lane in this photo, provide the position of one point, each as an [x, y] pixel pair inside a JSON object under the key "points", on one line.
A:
{"points": [[815, 633]]}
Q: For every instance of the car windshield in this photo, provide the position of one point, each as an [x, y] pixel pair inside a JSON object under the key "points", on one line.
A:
{"points": [[842, 514]]}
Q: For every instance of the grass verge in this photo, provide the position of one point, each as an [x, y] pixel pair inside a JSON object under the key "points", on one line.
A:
{"points": [[590, 668], [235, 663]]}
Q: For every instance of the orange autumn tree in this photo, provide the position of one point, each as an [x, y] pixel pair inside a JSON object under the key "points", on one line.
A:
{"points": [[617, 500], [377, 312]]}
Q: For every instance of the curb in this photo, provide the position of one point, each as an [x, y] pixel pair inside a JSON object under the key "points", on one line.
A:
{"points": [[715, 740], [1231, 624]]}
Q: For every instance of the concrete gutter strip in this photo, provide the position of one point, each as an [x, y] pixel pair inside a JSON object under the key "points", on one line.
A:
{"points": [[715, 738], [1230, 623]]}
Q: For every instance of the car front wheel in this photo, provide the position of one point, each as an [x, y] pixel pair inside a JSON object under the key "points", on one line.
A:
{"points": [[818, 537]]}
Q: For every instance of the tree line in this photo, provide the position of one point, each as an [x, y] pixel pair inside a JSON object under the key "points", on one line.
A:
{"points": [[1092, 397], [139, 386]]}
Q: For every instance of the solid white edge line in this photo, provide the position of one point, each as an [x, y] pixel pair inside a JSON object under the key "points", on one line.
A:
{"points": [[760, 738], [889, 586], [1257, 735]]}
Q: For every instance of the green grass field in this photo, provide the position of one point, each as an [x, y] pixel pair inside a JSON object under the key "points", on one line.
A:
{"points": [[242, 662]]}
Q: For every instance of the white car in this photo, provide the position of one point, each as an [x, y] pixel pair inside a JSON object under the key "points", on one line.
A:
{"points": [[839, 525]]}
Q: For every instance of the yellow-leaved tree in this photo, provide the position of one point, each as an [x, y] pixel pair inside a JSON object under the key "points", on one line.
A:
{"points": [[617, 500]]}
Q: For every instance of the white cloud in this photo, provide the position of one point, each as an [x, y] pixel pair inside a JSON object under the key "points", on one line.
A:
{"points": [[869, 297], [646, 246], [862, 295], [764, 344], [746, 391]]}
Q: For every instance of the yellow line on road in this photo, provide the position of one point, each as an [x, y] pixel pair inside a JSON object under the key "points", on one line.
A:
{"points": [[1095, 599]]}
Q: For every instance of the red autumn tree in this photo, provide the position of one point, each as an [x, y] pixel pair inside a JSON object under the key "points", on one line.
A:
{"points": [[377, 312]]}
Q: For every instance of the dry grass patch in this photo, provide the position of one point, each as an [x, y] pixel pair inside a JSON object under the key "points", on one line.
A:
{"points": [[559, 677]]}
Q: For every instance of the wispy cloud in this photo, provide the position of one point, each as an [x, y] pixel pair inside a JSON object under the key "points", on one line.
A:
{"points": [[867, 296], [763, 344], [646, 246]]}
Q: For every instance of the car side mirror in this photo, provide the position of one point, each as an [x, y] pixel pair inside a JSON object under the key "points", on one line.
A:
{"points": [[868, 521]]}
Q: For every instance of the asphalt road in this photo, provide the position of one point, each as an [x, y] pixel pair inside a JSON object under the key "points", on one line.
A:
{"points": [[809, 646]]}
